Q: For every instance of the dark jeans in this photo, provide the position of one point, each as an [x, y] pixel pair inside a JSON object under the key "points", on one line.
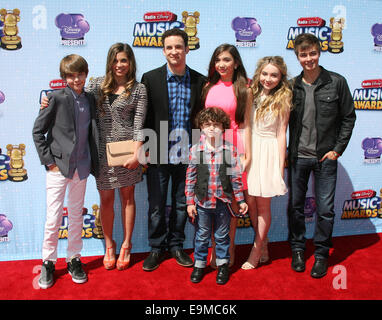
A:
{"points": [[163, 236], [325, 177], [218, 220]]}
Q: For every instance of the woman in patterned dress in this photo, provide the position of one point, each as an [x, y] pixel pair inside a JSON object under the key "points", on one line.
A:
{"points": [[121, 111]]}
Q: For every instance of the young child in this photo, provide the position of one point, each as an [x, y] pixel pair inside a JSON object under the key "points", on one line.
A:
{"points": [[66, 139], [213, 178]]}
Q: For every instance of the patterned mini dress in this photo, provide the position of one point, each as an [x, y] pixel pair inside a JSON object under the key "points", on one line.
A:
{"points": [[119, 118]]}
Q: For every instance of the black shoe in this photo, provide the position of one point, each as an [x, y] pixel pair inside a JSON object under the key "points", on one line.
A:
{"points": [[223, 274], [320, 268], [298, 261], [182, 258], [46, 277], [153, 260], [75, 269], [197, 275]]}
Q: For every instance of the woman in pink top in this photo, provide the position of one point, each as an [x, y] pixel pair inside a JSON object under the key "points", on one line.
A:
{"points": [[226, 88]]}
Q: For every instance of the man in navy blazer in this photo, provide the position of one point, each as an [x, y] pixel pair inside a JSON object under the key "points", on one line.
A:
{"points": [[174, 99], [66, 139]]}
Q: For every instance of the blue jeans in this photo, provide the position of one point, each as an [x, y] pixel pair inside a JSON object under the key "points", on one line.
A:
{"points": [[163, 236], [325, 178], [217, 219]]}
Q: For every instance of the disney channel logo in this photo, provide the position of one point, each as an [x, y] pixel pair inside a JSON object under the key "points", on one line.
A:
{"points": [[73, 27], [5, 226], [369, 97], [330, 37], [376, 32], [148, 34], [372, 150], [246, 31]]}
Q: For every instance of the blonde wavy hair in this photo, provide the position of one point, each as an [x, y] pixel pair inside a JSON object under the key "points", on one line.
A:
{"points": [[109, 84], [279, 100]]}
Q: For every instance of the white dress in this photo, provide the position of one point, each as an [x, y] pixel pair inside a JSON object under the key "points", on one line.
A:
{"points": [[264, 175]]}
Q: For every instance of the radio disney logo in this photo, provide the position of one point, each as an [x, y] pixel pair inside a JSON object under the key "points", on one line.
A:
{"points": [[54, 85], [372, 150], [148, 34], [369, 97], [72, 27], [246, 31], [330, 37], [363, 204]]}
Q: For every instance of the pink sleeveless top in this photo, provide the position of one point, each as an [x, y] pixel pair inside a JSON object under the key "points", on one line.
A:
{"points": [[222, 95]]}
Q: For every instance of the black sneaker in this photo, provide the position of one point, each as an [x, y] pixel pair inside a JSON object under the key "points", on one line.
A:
{"points": [[76, 271], [46, 277]]}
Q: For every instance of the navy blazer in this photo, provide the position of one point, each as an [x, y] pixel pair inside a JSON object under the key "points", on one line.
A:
{"points": [[157, 96], [54, 131]]}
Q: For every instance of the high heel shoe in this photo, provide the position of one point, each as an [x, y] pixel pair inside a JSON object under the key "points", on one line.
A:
{"points": [[123, 264], [264, 251], [109, 258], [255, 252]]}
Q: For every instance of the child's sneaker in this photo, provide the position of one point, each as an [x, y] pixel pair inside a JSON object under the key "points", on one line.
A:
{"points": [[76, 271], [46, 277]]}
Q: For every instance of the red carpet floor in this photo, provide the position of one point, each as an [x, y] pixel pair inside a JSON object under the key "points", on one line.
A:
{"points": [[354, 273]]}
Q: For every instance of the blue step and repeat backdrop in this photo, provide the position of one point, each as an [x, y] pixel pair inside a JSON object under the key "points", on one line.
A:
{"points": [[36, 35]]}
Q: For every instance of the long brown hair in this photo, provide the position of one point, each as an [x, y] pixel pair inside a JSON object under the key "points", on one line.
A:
{"points": [[239, 79], [109, 84], [279, 99]]}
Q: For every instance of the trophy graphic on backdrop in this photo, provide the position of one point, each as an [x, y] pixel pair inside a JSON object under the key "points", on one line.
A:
{"points": [[335, 43], [190, 21], [16, 173], [10, 40], [97, 231]]}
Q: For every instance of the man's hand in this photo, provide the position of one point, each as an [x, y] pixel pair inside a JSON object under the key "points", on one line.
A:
{"points": [[331, 155]]}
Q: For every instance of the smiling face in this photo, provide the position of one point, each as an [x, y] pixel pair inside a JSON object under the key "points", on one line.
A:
{"points": [[120, 65], [309, 58], [175, 52], [225, 65], [270, 77], [76, 81]]}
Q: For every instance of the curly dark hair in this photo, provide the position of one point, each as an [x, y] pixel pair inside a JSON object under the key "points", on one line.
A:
{"points": [[213, 114]]}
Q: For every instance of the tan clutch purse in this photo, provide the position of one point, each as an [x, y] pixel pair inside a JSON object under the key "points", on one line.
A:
{"points": [[118, 152]]}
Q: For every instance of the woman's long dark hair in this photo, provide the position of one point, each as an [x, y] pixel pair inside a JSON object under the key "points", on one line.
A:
{"points": [[109, 83], [239, 79]]}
